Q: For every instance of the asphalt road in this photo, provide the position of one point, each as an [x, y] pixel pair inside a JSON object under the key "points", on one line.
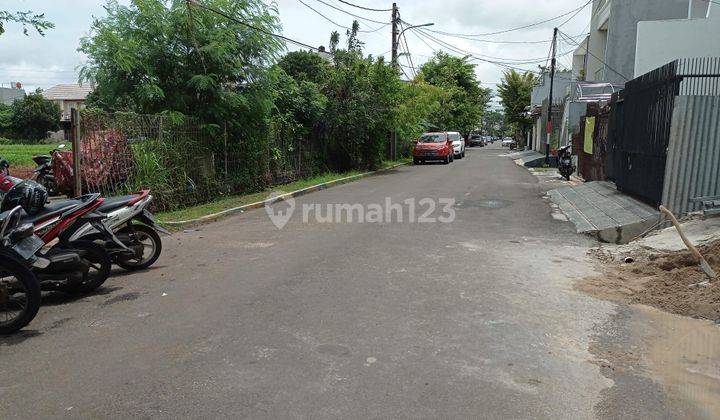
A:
{"points": [[474, 318]]}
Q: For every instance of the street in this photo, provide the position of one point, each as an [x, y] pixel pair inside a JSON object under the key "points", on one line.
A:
{"points": [[474, 318]]}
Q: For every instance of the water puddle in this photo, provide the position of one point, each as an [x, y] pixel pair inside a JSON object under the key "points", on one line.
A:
{"points": [[684, 355]]}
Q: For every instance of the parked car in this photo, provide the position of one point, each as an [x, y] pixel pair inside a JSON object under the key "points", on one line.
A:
{"points": [[476, 140], [508, 142], [433, 146], [458, 144]]}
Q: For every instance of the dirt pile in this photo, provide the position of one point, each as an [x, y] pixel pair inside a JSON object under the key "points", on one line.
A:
{"points": [[666, 280]]}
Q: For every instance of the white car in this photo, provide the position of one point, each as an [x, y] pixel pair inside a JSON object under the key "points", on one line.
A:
{"points": [[458, 144], [507, 142]]}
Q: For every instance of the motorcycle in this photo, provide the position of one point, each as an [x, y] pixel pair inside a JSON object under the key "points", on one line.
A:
{"points": [[44, 174], [565, 165], [19, 288], [75, 267], [136, 229]]}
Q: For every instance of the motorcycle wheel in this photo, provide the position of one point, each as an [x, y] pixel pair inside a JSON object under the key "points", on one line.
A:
{"points": [[99, 270], [19, 295], [152, 247]]}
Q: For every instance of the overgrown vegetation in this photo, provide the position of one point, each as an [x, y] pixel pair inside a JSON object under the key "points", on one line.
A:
{"points": [[264, 117]]}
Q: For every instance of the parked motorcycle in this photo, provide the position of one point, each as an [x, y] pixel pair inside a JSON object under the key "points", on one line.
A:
{"points": [[19, 288], [44, 173], [565, 165], [129, 218], [69, 266]]}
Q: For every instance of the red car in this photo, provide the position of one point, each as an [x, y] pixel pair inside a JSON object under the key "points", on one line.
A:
{"points": [[433, 146]]}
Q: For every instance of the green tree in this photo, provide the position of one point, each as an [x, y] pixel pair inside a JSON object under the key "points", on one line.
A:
{"points": [[33, 116], [29, 18], [156, 56], [514, 90], [176, 57], [464, 100], [493, 123], [305, 65]]}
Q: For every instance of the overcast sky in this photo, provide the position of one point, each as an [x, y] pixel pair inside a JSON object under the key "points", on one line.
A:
{"points": [[45, 61]]}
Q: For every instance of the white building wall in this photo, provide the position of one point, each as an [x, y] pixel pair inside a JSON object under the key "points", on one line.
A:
{"points": [[660, 42]]}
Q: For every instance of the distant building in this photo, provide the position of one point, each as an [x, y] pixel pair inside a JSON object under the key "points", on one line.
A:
{"points": [[8, 95], [67, 97]]}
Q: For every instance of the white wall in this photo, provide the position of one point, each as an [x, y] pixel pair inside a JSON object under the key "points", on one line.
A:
{"points": [[660, 42]]}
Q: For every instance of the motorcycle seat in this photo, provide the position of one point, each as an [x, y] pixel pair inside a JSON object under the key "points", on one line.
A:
{"points": [[114, 203], [51, 209]]}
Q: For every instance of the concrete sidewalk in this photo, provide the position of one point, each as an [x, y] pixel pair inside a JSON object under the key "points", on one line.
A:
{"points": [[599, 209], [531, 158]]}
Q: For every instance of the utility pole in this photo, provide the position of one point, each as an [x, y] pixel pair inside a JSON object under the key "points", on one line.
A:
{"points": [[550, 99], [395, 19]]}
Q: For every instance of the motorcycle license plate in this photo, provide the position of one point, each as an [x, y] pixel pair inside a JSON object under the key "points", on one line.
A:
{"points": [[28, 246]]}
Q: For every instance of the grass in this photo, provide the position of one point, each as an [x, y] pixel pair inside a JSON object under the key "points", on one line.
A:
{"points": [[233, 201], [20, 155]]}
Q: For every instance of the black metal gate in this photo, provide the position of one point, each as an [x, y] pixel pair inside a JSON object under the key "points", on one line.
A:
{"points": [[639, 133]]}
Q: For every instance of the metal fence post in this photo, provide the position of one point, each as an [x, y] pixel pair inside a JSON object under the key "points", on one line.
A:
{"points": [[225, 138], [76, 133]]}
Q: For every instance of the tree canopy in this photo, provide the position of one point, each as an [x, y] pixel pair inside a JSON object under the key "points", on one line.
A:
{"points": [[514, 90], [33, 116], [463, 100], [26, 19]]}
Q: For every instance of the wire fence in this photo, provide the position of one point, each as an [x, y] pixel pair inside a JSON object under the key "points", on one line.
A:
{"points": [[180, 161]]}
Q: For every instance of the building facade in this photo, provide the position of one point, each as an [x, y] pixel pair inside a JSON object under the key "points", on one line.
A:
{"points": [[660, 42], [613, 34]]}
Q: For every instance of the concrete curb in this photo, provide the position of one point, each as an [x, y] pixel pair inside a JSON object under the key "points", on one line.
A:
{"points": [[259, 204]]}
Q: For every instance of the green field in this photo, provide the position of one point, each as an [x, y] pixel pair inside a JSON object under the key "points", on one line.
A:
{"points": [[20, 155]]}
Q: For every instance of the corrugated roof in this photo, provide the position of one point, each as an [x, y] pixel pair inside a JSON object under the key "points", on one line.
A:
{"points": [[67, 92]]}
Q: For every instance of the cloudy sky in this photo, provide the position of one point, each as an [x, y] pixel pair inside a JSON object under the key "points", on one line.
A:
{"points": [[45, 61]]}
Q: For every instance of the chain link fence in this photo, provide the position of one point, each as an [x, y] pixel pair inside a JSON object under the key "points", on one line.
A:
{"points": [[180, 161]]}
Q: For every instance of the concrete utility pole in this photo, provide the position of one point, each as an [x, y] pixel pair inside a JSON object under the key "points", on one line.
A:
{"points": [[395, 18], [550, 99]]}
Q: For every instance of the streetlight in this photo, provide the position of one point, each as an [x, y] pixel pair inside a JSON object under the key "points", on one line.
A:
{"points": [[414, 26]]}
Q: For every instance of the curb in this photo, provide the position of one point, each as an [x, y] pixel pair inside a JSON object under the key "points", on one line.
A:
{"points": [[259, 204]]}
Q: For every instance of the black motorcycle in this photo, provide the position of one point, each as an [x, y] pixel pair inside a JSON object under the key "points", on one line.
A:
{"points": [[19, 288], [565, 165]]}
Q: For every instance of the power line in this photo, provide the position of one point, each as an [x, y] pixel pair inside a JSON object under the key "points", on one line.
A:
{"points": [[264, 31], [490, 41], [562, 34], [573, 16], [349, 13], [469, 54], [335, 23], [495, 60], [576, 10], [407, 48], [364, 8]]}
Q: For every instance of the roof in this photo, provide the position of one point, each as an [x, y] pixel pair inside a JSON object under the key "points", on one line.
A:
{"points": [[67, 92], [593, 92]]}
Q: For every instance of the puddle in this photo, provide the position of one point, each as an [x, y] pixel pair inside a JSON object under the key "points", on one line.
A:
{"points": [[684, 355]]}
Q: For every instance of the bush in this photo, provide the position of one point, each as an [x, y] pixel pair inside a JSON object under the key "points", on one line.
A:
{"points": [[33, 116]]}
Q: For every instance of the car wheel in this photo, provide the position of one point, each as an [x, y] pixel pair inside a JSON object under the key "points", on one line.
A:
{"points": [[416, 161], [463, 154]]}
